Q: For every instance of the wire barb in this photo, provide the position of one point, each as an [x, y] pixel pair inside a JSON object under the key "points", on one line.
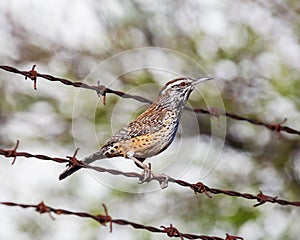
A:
{"points": [[172, 231], [73, 161], [103, 220], [278, 127], [262, 199], [32, 74], [231, 237], [42, 208], [101, 91], [216, 112], [12, 153], [199, 187]]}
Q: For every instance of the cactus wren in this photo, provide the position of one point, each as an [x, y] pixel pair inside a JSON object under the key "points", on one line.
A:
{"points": [[150, 133]]}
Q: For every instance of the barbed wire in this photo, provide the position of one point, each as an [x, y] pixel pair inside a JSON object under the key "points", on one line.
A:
{"points": [[102, 90], [103, 220], [198, 187]]}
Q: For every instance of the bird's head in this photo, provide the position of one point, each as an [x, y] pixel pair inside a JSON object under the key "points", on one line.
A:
{"points": [[181, 87], [176, 92]]}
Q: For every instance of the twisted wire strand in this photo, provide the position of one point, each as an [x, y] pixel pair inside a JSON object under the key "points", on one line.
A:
{"points": [[102, 90], [104, 219], [198, 187]]}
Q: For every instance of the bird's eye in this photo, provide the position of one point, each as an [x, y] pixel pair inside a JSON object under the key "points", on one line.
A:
{"points": [[182, 84]]}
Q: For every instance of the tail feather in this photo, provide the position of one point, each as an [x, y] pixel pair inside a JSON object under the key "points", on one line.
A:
{"points": [[68, 172], [72, 169]]}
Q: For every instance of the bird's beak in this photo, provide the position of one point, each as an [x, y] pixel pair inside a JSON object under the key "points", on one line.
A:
{"points": [[199, 80]]}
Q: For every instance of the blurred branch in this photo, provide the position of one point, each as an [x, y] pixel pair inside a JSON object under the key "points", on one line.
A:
{"points": [[105, 219], [101, 90], [198, 187]]}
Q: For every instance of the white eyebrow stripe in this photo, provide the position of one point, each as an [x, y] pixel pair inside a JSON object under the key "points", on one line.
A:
{"points": [[175, 81]]}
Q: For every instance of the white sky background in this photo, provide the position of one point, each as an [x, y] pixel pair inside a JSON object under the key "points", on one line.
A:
{"points": [[69, 23], [75, 26]]}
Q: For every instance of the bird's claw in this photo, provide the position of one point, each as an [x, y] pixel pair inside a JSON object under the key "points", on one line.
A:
{"points": [[163, 180], [147, 175]]}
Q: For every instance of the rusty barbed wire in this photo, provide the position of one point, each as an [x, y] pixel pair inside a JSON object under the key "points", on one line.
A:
{"points": [[102, 90], [198, 187], [103, 220]]}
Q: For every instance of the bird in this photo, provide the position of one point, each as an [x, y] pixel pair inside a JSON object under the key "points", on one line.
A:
{"points": [[151, 132]]}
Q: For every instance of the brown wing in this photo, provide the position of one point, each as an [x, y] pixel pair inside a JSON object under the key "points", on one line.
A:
{"points": [[150, 121]]}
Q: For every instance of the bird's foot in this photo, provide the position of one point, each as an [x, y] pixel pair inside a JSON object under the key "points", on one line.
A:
{"points": [[162, 178], [146, 175]]}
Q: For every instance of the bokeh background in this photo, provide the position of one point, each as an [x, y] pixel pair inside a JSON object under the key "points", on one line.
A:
{"points": [[252, 50]]}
